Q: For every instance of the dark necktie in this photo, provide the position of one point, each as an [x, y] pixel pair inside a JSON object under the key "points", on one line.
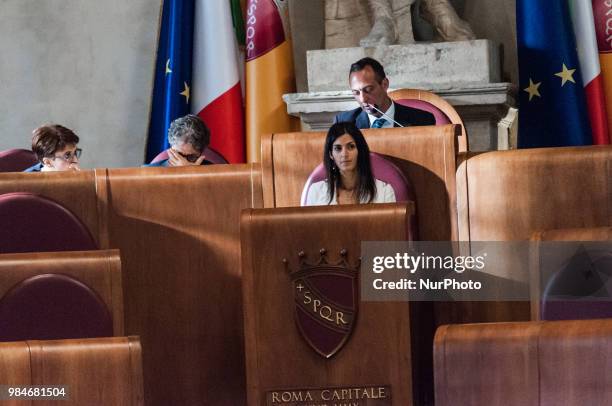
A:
{"points": [[378, 123]]}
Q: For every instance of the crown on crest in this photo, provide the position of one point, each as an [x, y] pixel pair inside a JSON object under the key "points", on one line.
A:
{"points": [[323, 262]]}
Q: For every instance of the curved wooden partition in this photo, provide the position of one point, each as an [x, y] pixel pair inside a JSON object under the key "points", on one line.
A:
{"points": [[97, 371], [531, 363], [77, 191], [178, 232], [508, 195], [426, 155], [179, 236], [99, 270]]}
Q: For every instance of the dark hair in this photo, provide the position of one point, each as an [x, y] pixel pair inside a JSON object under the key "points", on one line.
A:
{"points": [[50, 138], [366, 185], [378, 69], [191, 130]]}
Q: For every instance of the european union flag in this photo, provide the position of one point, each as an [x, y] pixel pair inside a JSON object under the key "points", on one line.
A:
{"points": [[553, 109], [171, 91]]}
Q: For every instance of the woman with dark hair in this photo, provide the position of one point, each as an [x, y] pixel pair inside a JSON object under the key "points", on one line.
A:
{"points": [[349, 180], [55, 147]]}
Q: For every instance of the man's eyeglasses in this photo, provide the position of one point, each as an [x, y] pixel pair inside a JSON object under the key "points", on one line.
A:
{"points": [[70, 156]]}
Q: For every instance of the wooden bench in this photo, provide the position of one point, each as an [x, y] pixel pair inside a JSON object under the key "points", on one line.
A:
{"points": [[96, 371], [529, 363]]}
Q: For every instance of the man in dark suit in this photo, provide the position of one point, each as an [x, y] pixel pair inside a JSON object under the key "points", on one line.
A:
{"points": [[369, 85]]}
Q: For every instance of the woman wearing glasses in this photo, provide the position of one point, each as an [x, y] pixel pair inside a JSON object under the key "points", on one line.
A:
{"points": [[55, 147]]}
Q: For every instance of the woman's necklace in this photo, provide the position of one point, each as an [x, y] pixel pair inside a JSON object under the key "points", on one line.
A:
{"points": [[346, 196]]}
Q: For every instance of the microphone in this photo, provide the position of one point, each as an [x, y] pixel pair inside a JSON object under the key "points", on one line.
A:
{"points": [[386, 116]]}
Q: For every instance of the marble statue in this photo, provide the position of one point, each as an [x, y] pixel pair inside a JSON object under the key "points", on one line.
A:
{"points": [[366, 23]]}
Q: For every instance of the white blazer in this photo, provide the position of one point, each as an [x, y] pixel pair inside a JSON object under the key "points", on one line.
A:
{"points": [[317, 194]]}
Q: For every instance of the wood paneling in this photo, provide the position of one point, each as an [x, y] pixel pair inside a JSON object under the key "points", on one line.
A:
{"points": [[530, 363], [575, 360], [427, 155], [15, 368], [98, 371], [487, 364], [509, 195], [178, 232], [388, 344], [100, 270], [512, 194], [575, 234]]}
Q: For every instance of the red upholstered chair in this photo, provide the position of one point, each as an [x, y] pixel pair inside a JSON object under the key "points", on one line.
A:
{"points": [[53, 306], [16, 160], [383, 170], [443, 112], [211, 155], [33, 223]]}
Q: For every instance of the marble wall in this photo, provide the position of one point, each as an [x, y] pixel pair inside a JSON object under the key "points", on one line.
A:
{"points": [[85, 64]]}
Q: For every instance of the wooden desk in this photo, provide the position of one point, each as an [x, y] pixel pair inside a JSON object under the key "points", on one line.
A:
{"points": [[388, 346]]}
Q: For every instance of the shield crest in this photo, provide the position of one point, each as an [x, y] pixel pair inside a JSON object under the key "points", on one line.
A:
{"points": [[326, 304]]}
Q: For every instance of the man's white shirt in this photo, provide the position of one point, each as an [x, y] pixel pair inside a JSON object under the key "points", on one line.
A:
{"points": [[389, 113]]}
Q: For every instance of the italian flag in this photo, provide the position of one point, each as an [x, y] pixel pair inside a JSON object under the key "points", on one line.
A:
{"points": [[590, 70], [216, 92], [269, 72], [602, 10]]}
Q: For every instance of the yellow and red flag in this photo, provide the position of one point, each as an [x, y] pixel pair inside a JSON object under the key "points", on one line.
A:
{"points": [[269, 72]]}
